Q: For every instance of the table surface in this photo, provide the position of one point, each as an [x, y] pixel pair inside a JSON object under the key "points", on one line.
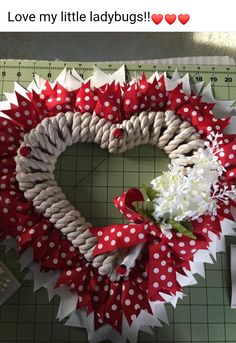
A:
{"points": [[91, 178], [115, 46]]}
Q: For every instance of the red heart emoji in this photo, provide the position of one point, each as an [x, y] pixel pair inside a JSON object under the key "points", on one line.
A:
{"points": [[183, 18], [157, 18], [170, 18]]}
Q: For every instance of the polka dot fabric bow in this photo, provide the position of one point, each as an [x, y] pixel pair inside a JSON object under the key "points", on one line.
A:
{"points": [[165, 255], [114, 310]]}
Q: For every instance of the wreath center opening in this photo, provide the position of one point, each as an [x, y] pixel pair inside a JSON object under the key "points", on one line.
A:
{"points": [[91, 177]]}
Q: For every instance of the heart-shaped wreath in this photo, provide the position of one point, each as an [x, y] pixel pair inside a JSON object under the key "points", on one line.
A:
{"points": [[115, 280]]}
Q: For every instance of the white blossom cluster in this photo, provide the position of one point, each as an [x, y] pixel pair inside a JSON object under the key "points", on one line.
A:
{"points": [[185, 193]]}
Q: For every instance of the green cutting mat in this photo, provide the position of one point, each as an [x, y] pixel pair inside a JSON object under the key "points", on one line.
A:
{"points": [[91, 178]]}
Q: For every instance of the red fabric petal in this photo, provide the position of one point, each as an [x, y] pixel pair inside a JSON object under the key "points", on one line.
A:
{"points": [[24, 113], [130, 101], [109, 103], [61, 100], [177, 98], [157, 95], [86, 100]]}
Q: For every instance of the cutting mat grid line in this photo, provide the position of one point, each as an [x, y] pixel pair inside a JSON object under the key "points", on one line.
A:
{"points": [[91, 178]]}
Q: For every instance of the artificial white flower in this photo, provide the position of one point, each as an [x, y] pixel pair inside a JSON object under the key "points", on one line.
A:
{"points": [[187, 193]]}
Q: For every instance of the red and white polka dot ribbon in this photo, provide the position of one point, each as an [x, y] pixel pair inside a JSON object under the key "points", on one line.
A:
{"points": [[115, 103], [163, 252]]}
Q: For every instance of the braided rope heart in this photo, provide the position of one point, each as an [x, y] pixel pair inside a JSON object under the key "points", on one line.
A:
{"points": [[53, 135]]}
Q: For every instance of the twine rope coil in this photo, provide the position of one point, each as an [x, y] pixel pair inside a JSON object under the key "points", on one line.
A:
{"points": [[35, 173]]}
